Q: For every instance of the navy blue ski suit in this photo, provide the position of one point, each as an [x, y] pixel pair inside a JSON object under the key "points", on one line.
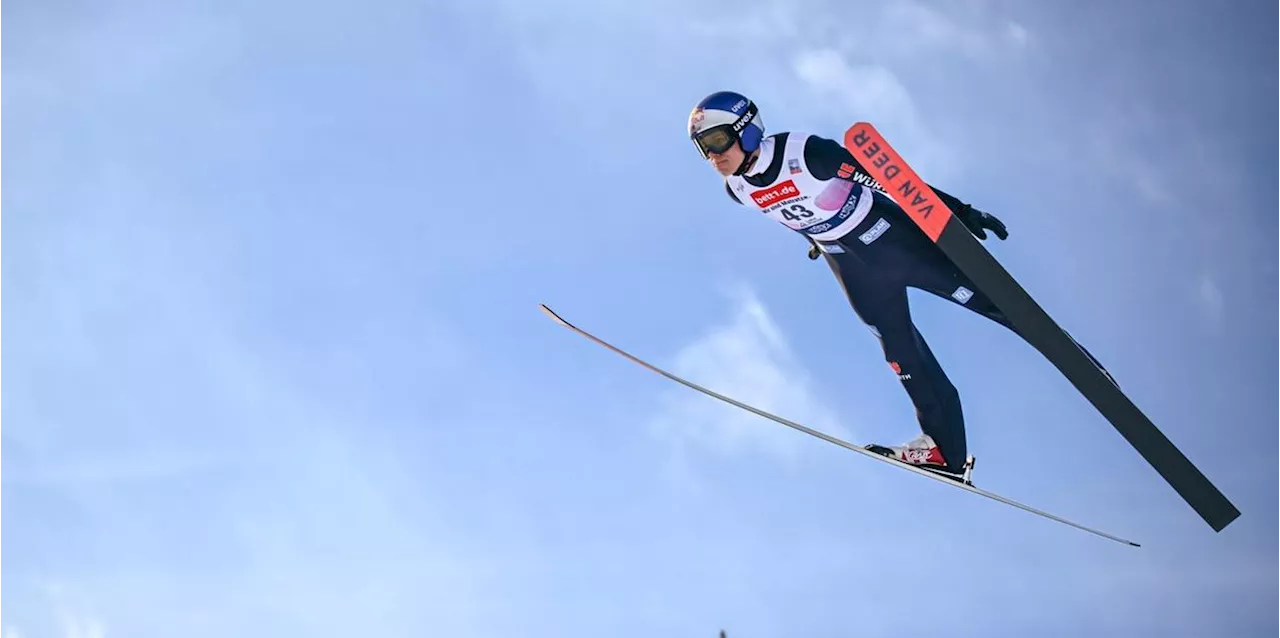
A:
{"points": [[876, 263], [875, 277]]}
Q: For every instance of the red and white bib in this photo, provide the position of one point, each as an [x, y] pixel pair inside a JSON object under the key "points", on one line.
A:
{"points": [[824, 210]]}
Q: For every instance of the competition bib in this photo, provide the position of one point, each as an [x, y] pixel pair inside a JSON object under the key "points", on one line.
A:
{"points": [[824, 210]]}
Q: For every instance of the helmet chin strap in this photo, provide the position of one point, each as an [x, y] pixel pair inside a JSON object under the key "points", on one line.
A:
{"points": [[747, 161]]}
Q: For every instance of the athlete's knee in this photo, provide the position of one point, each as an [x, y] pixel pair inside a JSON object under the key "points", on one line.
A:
{"points": [[901, 357], [911, 362]]}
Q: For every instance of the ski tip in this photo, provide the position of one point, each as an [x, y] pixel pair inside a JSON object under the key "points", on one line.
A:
{"points": [[858, 130], [551, 313]]}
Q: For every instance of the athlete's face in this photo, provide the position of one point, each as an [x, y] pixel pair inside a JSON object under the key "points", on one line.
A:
{"points": [[727, 162]]}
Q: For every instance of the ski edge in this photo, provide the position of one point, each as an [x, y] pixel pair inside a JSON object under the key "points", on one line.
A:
{"points": [[828, 438]]}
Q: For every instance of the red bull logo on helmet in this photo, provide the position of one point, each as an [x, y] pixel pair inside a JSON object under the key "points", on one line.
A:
{"points": [[696, 118]]}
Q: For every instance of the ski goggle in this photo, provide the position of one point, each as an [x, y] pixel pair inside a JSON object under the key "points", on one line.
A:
{"points": [[719, 139], [716, 139]]}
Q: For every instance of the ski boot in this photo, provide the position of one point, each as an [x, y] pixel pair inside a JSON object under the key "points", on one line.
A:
{"points": [[923, 453]]}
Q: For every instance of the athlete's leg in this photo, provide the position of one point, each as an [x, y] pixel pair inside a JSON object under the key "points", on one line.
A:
{"points": [[881, 303], [936, 274]]}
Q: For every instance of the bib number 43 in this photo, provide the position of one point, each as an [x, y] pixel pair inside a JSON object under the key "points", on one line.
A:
{"points": [[796, 212]]}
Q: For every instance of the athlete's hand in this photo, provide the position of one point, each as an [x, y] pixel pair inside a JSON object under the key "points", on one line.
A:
{"points": [[979, 222], [814, 253]]}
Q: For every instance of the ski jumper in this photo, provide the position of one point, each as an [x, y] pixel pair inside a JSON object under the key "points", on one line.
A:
{"points": [[815, 187]]}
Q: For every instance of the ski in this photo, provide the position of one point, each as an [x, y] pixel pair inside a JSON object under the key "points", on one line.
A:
{"points": [[950, 234], [961, 483]]}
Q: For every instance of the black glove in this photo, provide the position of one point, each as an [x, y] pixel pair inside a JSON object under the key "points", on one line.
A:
{"points": [[978, 221], [814, 252]]}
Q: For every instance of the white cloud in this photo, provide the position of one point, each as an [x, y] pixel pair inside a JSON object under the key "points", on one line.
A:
{"points": [[70, 613], [82, 627], [809, 64], [924, 26], [758, 22], [873, 92], [1211, 298], [866, 93], [748, 359], [1017, 34]]}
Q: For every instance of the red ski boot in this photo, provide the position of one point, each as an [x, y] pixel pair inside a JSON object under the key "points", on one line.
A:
{"points": [[922, 452]]}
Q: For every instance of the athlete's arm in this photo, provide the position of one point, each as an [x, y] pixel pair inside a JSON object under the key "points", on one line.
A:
{"points": [[827, 159]]}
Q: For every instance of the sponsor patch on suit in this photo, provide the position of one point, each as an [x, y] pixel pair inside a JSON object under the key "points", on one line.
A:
{"points": [[874, 232]]}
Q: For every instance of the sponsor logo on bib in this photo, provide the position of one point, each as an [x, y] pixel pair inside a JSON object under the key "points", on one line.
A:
{"points": [[770, 196]]}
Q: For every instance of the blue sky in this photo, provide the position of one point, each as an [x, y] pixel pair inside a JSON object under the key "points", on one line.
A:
{"points": [[276, 366]]}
